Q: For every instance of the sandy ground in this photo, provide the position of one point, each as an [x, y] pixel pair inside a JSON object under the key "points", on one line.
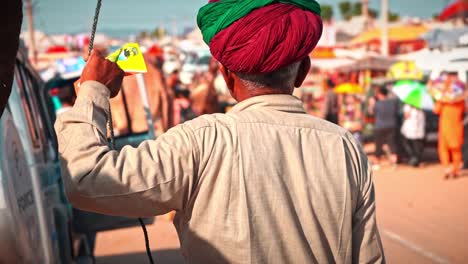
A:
{"points": [[422, 219]]}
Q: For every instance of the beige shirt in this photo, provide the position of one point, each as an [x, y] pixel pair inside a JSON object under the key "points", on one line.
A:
{"points": [[265, 183]]}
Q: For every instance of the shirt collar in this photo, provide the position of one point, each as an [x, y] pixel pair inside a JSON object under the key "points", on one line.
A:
{"points": [[279, 102]]}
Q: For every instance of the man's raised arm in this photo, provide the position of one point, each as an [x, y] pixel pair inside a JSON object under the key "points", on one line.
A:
{"points": [[152, 179]]}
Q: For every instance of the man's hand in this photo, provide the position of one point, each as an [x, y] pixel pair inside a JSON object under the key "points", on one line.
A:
{"points": [[104, 71]]}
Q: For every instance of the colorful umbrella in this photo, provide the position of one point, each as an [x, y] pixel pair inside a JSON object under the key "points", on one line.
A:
{"points": [[454, 93], [350, 88], [405, 70], [413, 93]]}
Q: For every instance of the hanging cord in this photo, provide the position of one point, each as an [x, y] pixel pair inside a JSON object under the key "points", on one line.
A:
{"points": [[110, 122], [93, 30], [147, 244], [111, 125]]}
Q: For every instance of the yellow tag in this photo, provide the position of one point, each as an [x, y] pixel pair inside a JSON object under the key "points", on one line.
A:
{"points": [[129, 58]]}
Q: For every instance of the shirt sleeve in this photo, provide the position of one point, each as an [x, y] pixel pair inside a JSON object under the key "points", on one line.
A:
{"points": [[366, 242], [152, 179], [375, 110]]}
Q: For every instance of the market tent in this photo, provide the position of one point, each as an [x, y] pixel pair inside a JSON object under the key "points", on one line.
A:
{"points": [[458, 9], [446, 39], [57, 49], [374, 62], [330, 64], [396, 33], [429, 60], [425, 59], [434, 62], [405, 70], [349, 88], [327, 58]]}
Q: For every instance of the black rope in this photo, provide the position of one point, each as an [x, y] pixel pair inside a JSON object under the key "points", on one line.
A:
{"points": [[95, 23], [148, 249], [110, 122]]}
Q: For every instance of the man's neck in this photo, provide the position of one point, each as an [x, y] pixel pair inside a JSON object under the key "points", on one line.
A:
{"points": [[246, 94]]}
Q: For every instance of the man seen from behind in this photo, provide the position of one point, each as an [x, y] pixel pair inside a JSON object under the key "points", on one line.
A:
{"points": [[264, 183]]}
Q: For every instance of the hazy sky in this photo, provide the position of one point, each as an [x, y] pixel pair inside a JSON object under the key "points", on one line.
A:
{"points": [[73, 16]]}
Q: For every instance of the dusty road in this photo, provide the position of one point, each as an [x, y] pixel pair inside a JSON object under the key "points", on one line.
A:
{"points": [[422, 219]]}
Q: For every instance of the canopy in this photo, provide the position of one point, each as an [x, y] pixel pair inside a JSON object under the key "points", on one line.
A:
{"points": [[57, 49], [405, 70], [330, 64], [436, 61], [459, 9], [323, 53], [350, 88], [395, 33], [447, 39], [155, 50], [378, 63]]}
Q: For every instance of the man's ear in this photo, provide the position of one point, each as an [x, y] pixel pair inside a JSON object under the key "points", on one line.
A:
{"points": [[302, 72], [228, 78]]}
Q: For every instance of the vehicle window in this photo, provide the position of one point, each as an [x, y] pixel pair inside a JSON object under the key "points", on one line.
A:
{"points": [[205, 60], [45, 122], [128, 114], [191, 58], [30, 107]]}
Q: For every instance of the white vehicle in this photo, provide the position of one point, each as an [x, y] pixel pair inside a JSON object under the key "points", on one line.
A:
{"points": [[37, 224]]}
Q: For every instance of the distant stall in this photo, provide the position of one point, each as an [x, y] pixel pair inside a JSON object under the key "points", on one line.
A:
{"points": [[402, 39], [374, 63], [457, 10], [326, 59], [433, 62], [446, 39]]}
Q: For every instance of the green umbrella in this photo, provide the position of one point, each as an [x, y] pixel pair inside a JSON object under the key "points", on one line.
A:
{"points": [[413, 93]]}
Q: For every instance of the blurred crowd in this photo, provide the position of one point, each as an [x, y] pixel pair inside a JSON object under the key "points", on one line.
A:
{"points": [[398, 116]]}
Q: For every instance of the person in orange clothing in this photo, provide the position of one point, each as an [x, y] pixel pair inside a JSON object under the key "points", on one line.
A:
{"points": [[450, 134]]}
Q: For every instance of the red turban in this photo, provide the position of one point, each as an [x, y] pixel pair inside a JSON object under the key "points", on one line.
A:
{"points": [[266, 39]]}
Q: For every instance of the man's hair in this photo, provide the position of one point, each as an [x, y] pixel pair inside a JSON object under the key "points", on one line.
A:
{"points": [[66, 94], [280, 79], [449, 73], [383, 90]]}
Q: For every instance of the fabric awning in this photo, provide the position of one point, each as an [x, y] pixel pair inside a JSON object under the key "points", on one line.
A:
{"points": [[458, 9], [396, 33]]}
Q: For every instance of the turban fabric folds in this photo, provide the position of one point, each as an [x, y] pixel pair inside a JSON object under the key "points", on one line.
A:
{"points": [[260, 36]]}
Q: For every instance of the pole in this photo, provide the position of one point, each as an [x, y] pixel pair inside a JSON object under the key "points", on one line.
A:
{"points": [[365, 9], [174, 28], [146, 105], [365, 13], [32, 42], [384, 39]]}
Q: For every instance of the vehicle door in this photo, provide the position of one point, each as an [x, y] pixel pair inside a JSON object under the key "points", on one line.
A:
{"points": [[130, 115], [33, 124]]}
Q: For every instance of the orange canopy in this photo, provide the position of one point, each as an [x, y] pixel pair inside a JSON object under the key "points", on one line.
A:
{"points": [[323, 53], [395, 33]]}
